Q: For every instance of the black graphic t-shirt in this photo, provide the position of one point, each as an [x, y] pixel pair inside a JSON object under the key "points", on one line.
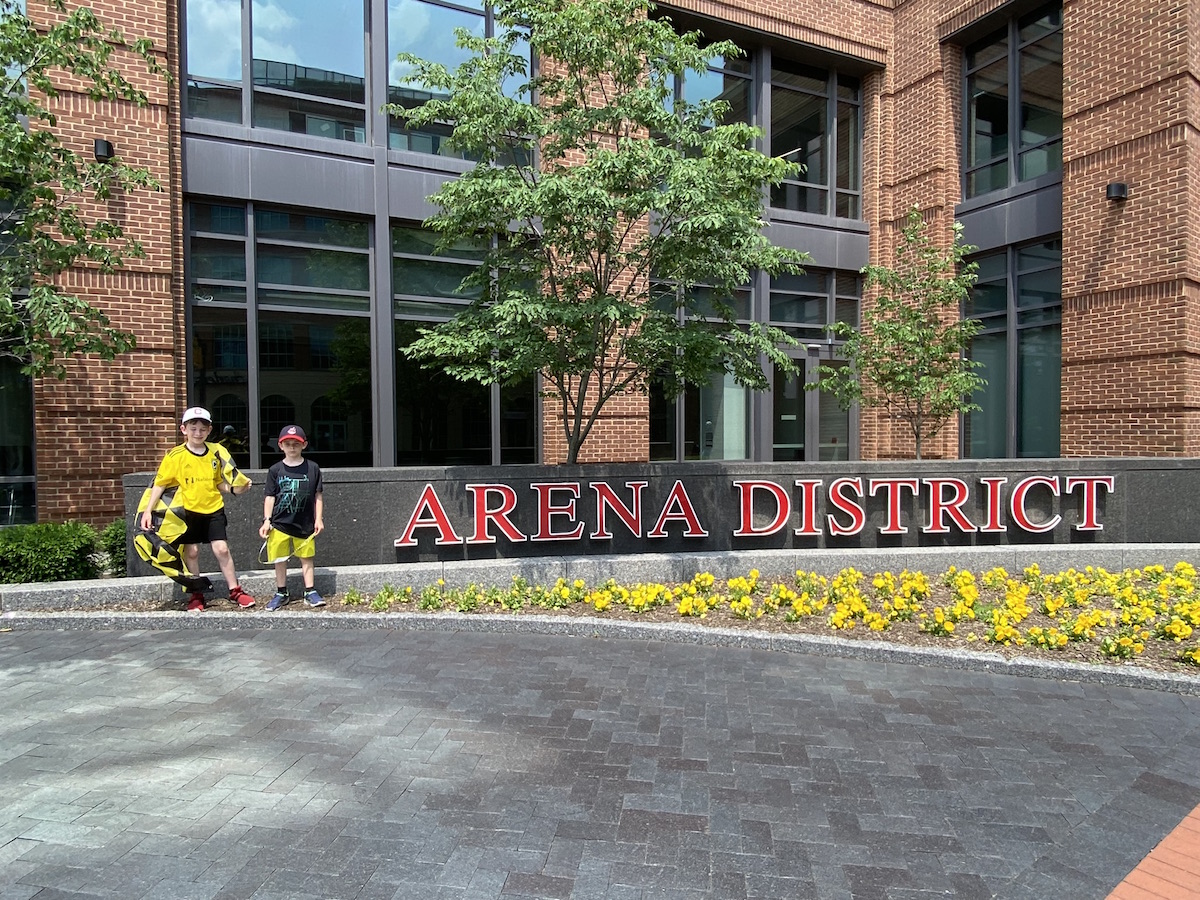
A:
{"points": [[295, 490]]}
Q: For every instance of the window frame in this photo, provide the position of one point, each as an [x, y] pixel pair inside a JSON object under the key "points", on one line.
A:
{"points": [[1010, 33]]}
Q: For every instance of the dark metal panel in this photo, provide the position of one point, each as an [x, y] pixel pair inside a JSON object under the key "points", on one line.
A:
{"points": [[271, 175], [830, 248], [408, 192], [1013, 219]]}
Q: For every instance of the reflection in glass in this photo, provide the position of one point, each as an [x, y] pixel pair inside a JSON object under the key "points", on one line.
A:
{"points": [[425, 30], [315, 47], [16, 423], [440, 420], [214, 39], [717, 420], [662, 424], [301, 116], [732, 89], [219, 375], [308, 267], [798, 129], [788, 401], [984, 429], [833, 426], [207, 100], [427, 278], [317, 370], [222, 260], [1039, 371], [518, 423]]}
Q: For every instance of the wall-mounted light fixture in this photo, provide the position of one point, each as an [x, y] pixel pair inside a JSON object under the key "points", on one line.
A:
{"points": [[104, 150], [1116, 190]]}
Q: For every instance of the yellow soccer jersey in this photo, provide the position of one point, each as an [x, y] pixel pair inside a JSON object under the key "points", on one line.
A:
{"points": [[197, 476]]}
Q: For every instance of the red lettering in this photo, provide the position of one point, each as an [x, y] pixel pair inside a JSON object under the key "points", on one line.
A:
{"points": [[993, 504], [783, 508], [807, 507], [483, 515], [1089, 500], [1016, 502], [631, 516], [678, 498], [429, 503], [941, 506], [893, 487], [546, 510], [858, 518]]}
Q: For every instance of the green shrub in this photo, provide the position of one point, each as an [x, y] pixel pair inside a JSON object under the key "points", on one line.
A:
{"points": [[112, 542], [48, 552]]}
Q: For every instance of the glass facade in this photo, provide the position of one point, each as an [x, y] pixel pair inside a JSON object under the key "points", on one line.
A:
{"points": [[280, 330], [1014, 103], [439, 420], [1018, 301], [288, 311]]}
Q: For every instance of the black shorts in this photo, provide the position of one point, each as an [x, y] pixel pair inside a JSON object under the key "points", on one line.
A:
{"points": [[203, 528]]}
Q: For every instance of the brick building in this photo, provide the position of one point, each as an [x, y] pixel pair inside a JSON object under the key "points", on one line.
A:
{"points": [[286, 262]]}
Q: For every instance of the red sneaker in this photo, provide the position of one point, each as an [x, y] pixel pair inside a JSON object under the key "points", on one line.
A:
{"points": [[241, 598], [196, 602]]}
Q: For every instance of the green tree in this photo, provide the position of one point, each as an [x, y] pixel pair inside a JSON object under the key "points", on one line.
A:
{"points": [[588, 197], [909, 354], [52, 199]]}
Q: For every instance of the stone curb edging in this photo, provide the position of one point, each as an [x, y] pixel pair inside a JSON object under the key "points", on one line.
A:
{"points": [[589, 626]]}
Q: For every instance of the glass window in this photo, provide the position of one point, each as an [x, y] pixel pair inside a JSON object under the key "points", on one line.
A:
{"points": [[315, 371], [219, 375], [816, 121], [17, 506], [214, 55], [310, 49], [427, 30], [728, 80], [1014, 103], [789, 419], [439, 420], [1018, 300], [716, 419]]}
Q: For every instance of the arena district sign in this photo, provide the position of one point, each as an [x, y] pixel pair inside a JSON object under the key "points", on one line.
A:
{"points": [[763, 508], [384, 516]]}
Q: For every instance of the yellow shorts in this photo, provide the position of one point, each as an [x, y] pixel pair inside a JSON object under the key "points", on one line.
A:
{"points": [[280, 546]]}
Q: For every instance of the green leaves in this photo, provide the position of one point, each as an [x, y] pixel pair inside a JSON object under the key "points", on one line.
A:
{"points": [[908, 357], [588, 194], [49, 222]]}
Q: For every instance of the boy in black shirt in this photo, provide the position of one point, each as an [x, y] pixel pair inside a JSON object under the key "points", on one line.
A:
{"points": [[292, 515]]}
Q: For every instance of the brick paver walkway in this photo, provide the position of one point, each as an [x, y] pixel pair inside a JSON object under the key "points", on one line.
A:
{"points": [[1171, 871], [389, 764]]}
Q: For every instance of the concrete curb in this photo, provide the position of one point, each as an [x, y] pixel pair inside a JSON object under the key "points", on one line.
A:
{"points": [[67, 595], [585, 626]]}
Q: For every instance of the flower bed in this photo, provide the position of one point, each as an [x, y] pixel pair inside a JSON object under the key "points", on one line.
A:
{"points": [[1149, 615]]}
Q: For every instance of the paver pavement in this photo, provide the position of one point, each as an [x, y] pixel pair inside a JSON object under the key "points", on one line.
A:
{"points": [[395, 764]]}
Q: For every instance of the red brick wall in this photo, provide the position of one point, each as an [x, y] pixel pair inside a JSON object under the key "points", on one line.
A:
{"points": [[110, 418], [1131, 270]]}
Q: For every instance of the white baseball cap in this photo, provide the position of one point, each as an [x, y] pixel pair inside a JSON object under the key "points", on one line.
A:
{"points": [[195, 412]]}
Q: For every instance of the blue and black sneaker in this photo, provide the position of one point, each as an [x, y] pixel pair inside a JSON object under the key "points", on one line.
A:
{"points": [[278, 601], [313, 599]]}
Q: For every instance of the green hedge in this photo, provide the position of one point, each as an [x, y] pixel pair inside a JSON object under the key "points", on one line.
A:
{"points": [[49, 552], [112, 542]]}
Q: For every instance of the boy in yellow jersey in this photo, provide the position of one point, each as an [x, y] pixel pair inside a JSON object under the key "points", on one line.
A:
{"points": [[200, 471]]}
